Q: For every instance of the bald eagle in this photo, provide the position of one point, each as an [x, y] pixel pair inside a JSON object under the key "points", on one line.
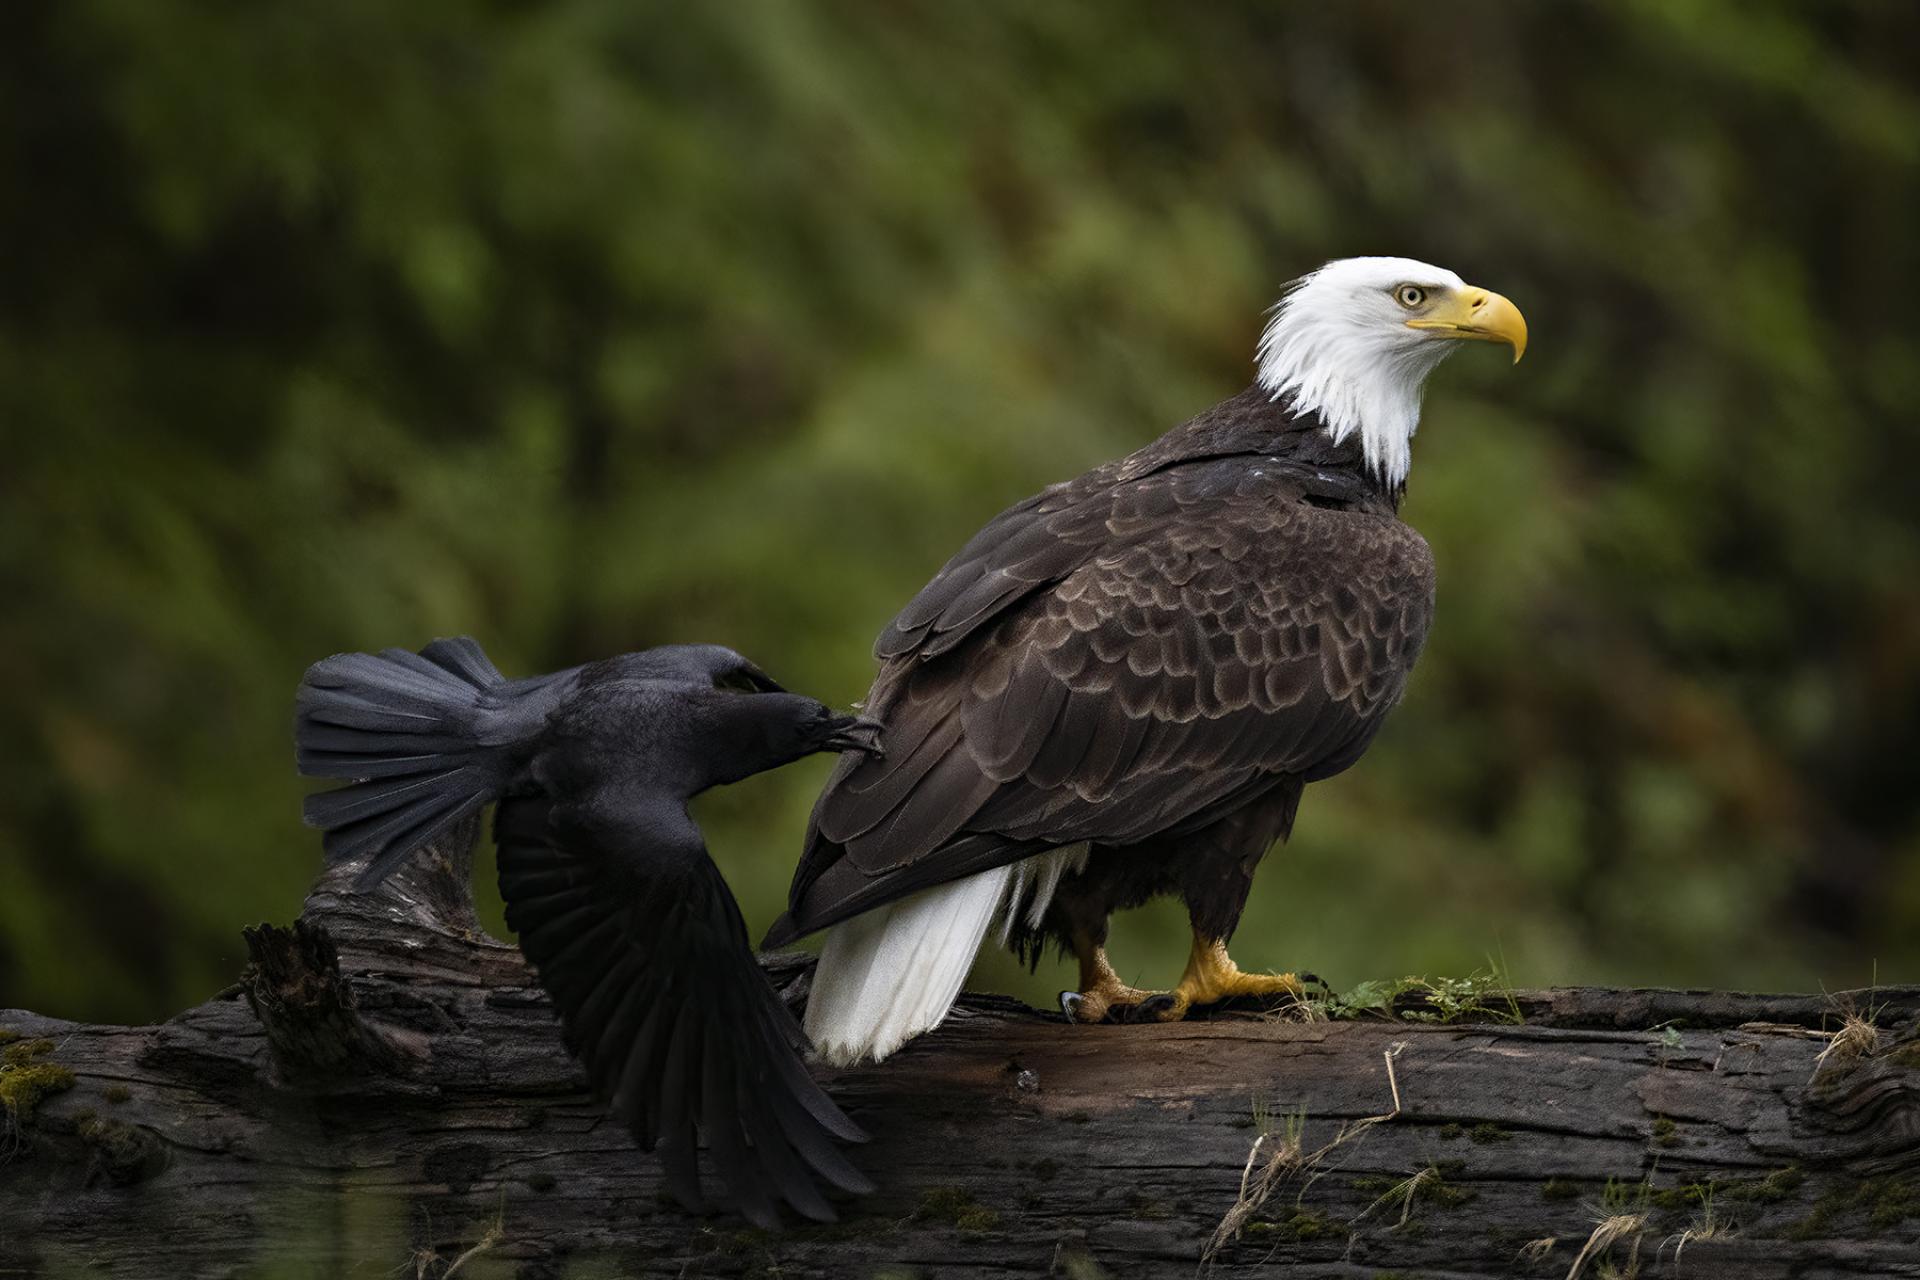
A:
{"points": [[1120, 686]]}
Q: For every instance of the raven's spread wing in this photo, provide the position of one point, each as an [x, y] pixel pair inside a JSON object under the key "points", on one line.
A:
{"points": [[642, 947], [1116, 665]]}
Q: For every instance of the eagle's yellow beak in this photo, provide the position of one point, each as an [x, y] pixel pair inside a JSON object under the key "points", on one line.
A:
{"points": [[1477, 313]]}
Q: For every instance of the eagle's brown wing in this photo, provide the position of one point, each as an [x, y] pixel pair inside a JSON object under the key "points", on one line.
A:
{"points": [[1114, 665]]}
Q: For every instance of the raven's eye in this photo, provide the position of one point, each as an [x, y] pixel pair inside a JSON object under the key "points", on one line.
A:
{"points": [[1410, 295]]}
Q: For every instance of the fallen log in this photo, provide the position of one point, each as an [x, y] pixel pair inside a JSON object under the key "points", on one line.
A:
{"points": [[384, 1092]]}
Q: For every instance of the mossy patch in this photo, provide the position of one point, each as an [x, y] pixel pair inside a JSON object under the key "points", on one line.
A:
{"points": [[1450, 1131], [8, 1035], [22, 1052], [956, 1207], [1884, 1202], [26, 1081], [1620, 1197], [1775, 1187], [1665, 1132], [117, 1094], [1559, 1189], [1482, 996], [1488, 1131], [1305, 1225], [1770, 1189], [123, 1153]]}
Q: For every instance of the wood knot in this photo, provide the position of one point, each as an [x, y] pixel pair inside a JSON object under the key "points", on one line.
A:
{"points": [[316, 1033]]}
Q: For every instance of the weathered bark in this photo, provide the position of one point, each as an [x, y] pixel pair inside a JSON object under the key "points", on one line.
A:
{"points": [[385, 1093]]}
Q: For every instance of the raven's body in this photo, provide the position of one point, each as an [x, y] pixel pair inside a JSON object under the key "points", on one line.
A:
{"points": [[606, 877]]}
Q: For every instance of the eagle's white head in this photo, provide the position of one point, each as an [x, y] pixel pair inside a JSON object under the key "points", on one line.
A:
{"points": [[1354, 341]]}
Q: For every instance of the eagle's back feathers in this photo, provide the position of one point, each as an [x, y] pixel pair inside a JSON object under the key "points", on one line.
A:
{"points": [[1133, 653]]}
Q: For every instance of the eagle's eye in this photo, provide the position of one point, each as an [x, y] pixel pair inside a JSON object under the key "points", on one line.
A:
{"points": [[1410, 295]]}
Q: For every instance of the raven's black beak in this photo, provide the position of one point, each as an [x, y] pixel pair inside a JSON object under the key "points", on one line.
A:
{"points": [[853, 733]]}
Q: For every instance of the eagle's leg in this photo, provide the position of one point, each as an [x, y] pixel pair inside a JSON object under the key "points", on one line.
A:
{"points": [[1211, 977], [1100, 987]]}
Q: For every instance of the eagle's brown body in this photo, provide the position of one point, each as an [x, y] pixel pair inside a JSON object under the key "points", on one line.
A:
{"points": [[1152, 659]]}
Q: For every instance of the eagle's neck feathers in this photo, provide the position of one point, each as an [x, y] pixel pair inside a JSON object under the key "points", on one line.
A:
{"points": [[1357, 379]]}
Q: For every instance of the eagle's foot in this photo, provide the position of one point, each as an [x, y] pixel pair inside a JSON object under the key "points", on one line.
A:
{"points": [[1211, 977], [1101, 992], [1102, 999]]}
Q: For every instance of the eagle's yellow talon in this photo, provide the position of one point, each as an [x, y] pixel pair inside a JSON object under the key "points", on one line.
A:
{"points": [[1211, 977], [1101, 990]]}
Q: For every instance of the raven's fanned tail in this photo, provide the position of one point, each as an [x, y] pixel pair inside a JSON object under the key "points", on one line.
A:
{"points": [[409, 729]]}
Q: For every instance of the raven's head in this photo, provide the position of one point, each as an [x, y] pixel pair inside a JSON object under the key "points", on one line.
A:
{"points": [[742, 733]]}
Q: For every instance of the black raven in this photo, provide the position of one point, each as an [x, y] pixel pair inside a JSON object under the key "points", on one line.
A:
{"points": [[606, 877]]}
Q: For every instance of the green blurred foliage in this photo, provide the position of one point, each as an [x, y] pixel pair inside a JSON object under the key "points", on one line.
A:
{"points": [[593, 325]]}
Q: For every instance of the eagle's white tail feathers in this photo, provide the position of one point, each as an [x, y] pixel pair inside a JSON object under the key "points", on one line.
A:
{"points": [[886, 976], [1043, 872]]}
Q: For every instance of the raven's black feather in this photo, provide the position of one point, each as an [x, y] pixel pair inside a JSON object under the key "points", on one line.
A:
{"points": [[607, 880]]}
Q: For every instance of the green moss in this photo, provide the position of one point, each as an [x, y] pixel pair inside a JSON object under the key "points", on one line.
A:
{"points": [[123, 1153], [542, 1182], [1884, 1202], [1445, 1194], [1305, 1225], [117, 1094], [1559, 1189], [1686, 1195], [957, 1207], [1449, 1131], [8, 1035], [25, 1081], [1487, 1131], [1620, 1196], [1775, 1187], [24, 1052], [1665, 1132], [1906, 1055]]}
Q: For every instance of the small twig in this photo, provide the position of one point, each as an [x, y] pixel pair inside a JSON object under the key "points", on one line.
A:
{"points": [[496, 1232]]}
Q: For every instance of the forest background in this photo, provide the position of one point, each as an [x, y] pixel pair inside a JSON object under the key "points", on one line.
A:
{"points": [[586, 326]]}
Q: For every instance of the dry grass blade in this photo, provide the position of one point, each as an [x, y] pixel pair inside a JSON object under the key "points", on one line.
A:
{"points": [[426, 1259], [496, 1232], [1610, 1232], [1537, 1250], [1286, 1158], [1402, 1194], [1704, 1227], [1856, 1038]]}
